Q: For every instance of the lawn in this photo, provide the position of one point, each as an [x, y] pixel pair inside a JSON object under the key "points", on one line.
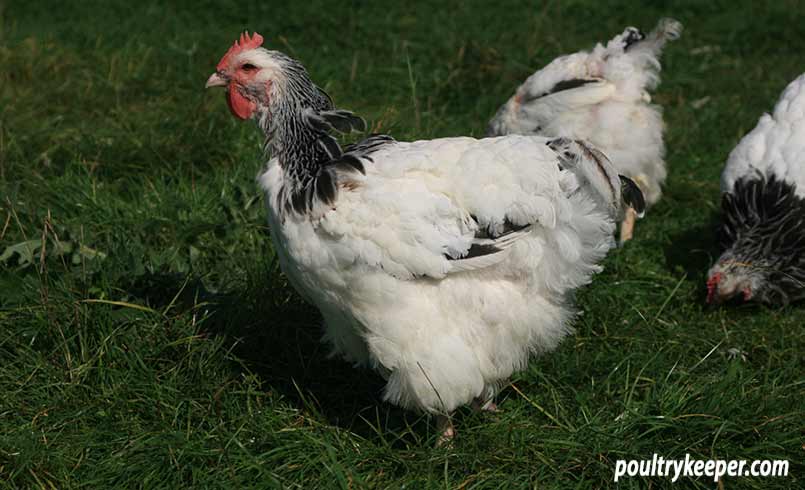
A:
{"points": [[148, 338]]}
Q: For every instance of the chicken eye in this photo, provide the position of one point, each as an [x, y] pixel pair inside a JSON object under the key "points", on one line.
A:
{"points": [[248, 67]]}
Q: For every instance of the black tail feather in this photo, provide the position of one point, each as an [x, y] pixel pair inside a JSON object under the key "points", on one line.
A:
{"points": [[631, 36], [632, 195]]}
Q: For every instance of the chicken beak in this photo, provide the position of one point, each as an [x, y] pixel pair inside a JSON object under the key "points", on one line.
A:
{"points": [[215, 80]]}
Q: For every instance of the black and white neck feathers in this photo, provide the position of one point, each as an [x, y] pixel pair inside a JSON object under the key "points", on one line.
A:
{"points": [[763, 234], [298, 123], [288, 136]]}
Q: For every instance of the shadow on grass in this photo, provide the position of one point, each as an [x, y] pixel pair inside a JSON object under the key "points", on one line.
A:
{"points": [[694, 250], [277, 337]]}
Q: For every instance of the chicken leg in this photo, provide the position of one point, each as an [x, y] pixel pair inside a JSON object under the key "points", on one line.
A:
{"points": [[480, 405], [627, 226], [446, 430]]}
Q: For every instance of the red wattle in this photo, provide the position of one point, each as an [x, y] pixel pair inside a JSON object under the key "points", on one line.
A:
{"points": [[712, 286], [241, 107]]}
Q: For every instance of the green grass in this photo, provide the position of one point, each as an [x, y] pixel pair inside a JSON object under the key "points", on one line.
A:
{"points": [[148, 339]]}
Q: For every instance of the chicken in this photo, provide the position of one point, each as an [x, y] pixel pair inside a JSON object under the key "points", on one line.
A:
{"points": [[601, 96], [762, 234], [441, 264]]}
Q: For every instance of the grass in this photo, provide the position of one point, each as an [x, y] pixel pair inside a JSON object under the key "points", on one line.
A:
{"points": [[148, 339]]}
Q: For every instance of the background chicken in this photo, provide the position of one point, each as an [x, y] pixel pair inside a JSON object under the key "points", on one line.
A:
{"points": [[601, 96], [442, 264], [763, 208]]}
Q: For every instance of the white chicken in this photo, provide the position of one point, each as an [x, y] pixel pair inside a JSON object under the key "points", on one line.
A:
{"points": [[601, 96], [763, 209], [442, 264]]}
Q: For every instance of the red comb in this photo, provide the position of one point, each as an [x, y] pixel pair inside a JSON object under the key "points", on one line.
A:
{"points": [[245, 42], [712, 286]]}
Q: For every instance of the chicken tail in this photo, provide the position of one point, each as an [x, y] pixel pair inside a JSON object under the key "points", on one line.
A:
{"points": [[631, 59], [667, 29], [632, 196]]}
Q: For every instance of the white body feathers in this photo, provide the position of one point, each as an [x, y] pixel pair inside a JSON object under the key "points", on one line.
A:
{"points": [[612, 109], [383, 263], [776, 146]]}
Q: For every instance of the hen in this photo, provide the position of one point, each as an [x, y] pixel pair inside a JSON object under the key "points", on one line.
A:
{"points": [[601, 96], [763, 209], [442, 264]]}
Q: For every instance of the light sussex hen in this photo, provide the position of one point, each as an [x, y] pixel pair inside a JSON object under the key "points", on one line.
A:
{"points": [[601, 96], [763, 209], [442, 264]]}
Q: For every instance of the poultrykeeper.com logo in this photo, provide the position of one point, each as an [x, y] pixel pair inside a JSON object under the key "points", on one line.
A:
{"points": [[696, 468]]}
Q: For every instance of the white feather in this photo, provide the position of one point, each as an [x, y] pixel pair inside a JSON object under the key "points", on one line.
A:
{"points": [[446, 331], [776, 146], [613, 112]]}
